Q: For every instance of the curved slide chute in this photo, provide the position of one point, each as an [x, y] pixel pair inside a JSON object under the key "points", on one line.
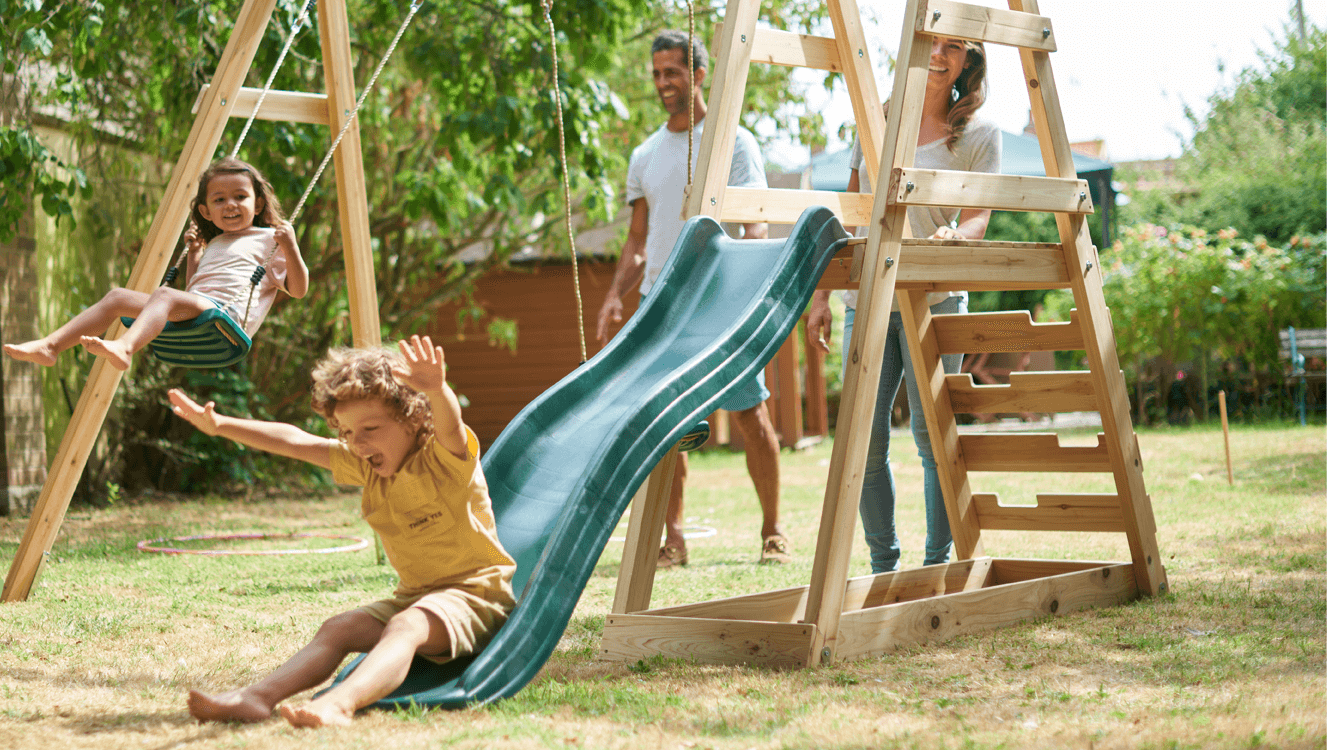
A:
{"points": [[563, 472]]}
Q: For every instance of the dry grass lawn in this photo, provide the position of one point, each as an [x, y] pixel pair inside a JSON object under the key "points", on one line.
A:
{"points": [[111, 639]]}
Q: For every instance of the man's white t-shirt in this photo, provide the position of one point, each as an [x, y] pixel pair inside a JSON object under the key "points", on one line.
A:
{"points": [[658, 173]]}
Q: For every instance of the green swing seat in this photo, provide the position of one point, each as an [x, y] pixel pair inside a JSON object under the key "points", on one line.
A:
{"points": [[213, 339]]}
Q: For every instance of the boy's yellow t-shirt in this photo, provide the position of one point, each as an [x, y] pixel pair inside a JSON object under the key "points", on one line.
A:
{"points": [[435, 519]]}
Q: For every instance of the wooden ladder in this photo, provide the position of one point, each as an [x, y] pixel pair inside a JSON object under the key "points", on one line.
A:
{"points": [[224, 98], [836, 617]]}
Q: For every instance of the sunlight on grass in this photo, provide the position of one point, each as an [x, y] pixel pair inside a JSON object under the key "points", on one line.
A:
{"points": [[103, 652]]}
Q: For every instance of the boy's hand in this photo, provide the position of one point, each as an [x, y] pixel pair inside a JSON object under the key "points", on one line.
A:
{"points": [[202, 417], [425, 369]]}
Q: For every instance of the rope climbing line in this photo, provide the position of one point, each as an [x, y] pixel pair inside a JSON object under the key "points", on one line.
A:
{"points": [[566, 176]]}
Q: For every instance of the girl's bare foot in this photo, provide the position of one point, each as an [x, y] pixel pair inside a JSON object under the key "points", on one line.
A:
{"points": [[112, 350], [235, 705], [318, 714], [32, 351]]}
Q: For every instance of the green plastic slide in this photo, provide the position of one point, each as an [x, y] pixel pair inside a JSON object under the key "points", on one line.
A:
{"points": [[563, 472]]}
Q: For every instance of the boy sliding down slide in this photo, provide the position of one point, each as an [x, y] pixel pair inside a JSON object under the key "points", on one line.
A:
{"points": [[402, 439]]}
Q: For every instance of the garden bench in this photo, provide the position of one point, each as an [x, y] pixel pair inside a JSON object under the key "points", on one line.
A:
{"points": [[1304, 348]]}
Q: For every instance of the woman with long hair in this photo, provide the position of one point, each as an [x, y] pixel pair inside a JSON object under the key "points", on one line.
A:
{"points": [[950, 138]]}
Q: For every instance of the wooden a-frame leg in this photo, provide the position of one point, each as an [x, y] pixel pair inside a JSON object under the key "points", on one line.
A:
{"points": [[99, 390], [640, 554]]}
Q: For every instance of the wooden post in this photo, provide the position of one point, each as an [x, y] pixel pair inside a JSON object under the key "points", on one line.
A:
{"points": [[1225, 432]]}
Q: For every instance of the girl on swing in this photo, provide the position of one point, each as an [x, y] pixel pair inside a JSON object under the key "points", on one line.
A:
{"points": [[235, 220]]}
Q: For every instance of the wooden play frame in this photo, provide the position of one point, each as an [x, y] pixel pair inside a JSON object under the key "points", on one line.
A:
{"points": [[225, 98], [835, 617]]}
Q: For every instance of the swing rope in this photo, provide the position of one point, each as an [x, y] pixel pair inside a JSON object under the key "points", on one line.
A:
{"points": [[280, 60], [261, 271], [566, 178]]}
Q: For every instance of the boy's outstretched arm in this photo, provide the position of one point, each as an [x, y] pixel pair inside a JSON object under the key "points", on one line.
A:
{"points": [[274, 437], [426, 371]]}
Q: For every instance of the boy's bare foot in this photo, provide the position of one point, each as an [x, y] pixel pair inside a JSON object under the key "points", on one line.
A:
{"points": [[32, 351], [318, 714], [112, 350], [232, 706]]}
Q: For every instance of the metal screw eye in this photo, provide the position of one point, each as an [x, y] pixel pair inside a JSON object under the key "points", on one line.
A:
{"points": [[909, 187], [935, 16], [889, 262], [1045, 32]]}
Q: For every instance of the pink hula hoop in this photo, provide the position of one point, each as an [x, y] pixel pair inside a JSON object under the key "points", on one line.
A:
{"points": [[148, 545]]}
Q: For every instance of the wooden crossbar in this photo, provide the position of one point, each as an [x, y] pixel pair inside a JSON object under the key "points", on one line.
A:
{"points": [[278, 106], [786, 206], [1043, 392], [1086, 512], [1032, 452], [1004, 192], [934, 265], [981, 24], [790, 49]]}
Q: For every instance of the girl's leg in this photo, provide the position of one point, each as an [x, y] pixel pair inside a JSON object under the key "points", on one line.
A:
{"points": [[384, 669], [939, 539], [348, 632], [877, 501], [93, 320], [163, 305]]}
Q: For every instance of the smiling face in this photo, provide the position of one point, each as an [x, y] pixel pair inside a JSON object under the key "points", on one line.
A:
{"points": [[671, 81], [230, 202], [372, 431], [948, 59]]}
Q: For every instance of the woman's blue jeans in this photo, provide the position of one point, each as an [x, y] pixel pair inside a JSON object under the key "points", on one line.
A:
{"points": [[877, 501]]}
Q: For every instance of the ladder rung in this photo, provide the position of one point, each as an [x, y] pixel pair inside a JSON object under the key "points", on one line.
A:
{"points": [[1005, 332], [1044, 392], [786, 206], [1040, 452], [795, 50], [280, 106], [995, 25], [1005, 192], [1051, 513]]}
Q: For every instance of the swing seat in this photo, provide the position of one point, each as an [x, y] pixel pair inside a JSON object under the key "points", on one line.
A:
{"points": [[213, 339]]}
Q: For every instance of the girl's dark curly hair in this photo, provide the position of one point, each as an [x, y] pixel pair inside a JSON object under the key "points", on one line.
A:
{"points": [[354, 374]]}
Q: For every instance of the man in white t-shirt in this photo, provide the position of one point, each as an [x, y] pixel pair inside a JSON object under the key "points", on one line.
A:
{"points": [[656, 184]]}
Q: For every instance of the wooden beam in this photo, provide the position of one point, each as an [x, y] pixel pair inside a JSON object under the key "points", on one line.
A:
{"points": [[1004, 192], [1051, 513], [981, 24], [938, 265], [351, 188], [767, 644], [1005, 332], [1032, 452], [158, 246], [776, 47], [279, 106], [1044, 392], [640, 554], [782, 206], [723, 110], [882, 630]]}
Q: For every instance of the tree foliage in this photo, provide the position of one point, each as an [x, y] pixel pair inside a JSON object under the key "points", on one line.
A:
{"points": [[460, 147], [1258, 159]]}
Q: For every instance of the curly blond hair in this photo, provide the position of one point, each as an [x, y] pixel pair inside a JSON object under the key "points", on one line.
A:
{"points": [[347, 374]]}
